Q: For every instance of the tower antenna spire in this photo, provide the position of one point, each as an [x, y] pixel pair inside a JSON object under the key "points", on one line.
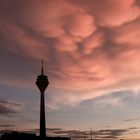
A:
{"points": [[42, 69]]}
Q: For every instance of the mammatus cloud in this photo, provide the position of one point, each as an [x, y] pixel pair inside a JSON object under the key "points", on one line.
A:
{"points": [[88, 46], [111, 13]]}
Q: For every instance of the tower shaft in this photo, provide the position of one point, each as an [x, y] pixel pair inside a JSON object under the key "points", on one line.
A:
{"points": [[42, 116]]}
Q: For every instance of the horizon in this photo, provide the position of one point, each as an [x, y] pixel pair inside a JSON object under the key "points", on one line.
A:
{"points": [[91, 55]]}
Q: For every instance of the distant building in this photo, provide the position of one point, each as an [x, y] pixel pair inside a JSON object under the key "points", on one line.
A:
{"points": [[17, 136], [25, 136]]}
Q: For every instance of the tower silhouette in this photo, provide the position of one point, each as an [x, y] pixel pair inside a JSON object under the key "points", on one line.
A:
{"points": [[42, 83]]}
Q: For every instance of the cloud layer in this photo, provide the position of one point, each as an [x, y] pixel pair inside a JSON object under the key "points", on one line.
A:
{"points": [[8, 108], [88, 46]]}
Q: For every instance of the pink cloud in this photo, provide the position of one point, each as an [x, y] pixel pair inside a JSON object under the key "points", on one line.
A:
{"points": [[88, 46], [128, 34], [96, 40], [110, 12], [115, 13], [65, 43], [81, 24]]}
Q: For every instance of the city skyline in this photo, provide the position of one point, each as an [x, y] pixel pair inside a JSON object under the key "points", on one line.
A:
{"points": [[91, 51]]}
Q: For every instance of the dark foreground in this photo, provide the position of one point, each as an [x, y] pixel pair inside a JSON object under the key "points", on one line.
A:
{"points": [[25, 136]]}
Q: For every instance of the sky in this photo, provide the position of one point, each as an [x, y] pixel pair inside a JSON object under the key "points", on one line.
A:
{"points": [[91, 53]]}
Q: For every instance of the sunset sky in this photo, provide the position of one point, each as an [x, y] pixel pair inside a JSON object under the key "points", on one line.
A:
{"points": [[91, 53]]}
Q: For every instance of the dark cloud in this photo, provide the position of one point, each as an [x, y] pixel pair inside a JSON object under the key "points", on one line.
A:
{"points": [[134, 128], [54, 129], [7, 125], [131, 120], [105, 133], [110, 133], [8, 108]]}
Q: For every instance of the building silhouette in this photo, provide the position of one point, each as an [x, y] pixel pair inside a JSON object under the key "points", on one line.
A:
{"points": [[27, 136], [42, 83]]}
